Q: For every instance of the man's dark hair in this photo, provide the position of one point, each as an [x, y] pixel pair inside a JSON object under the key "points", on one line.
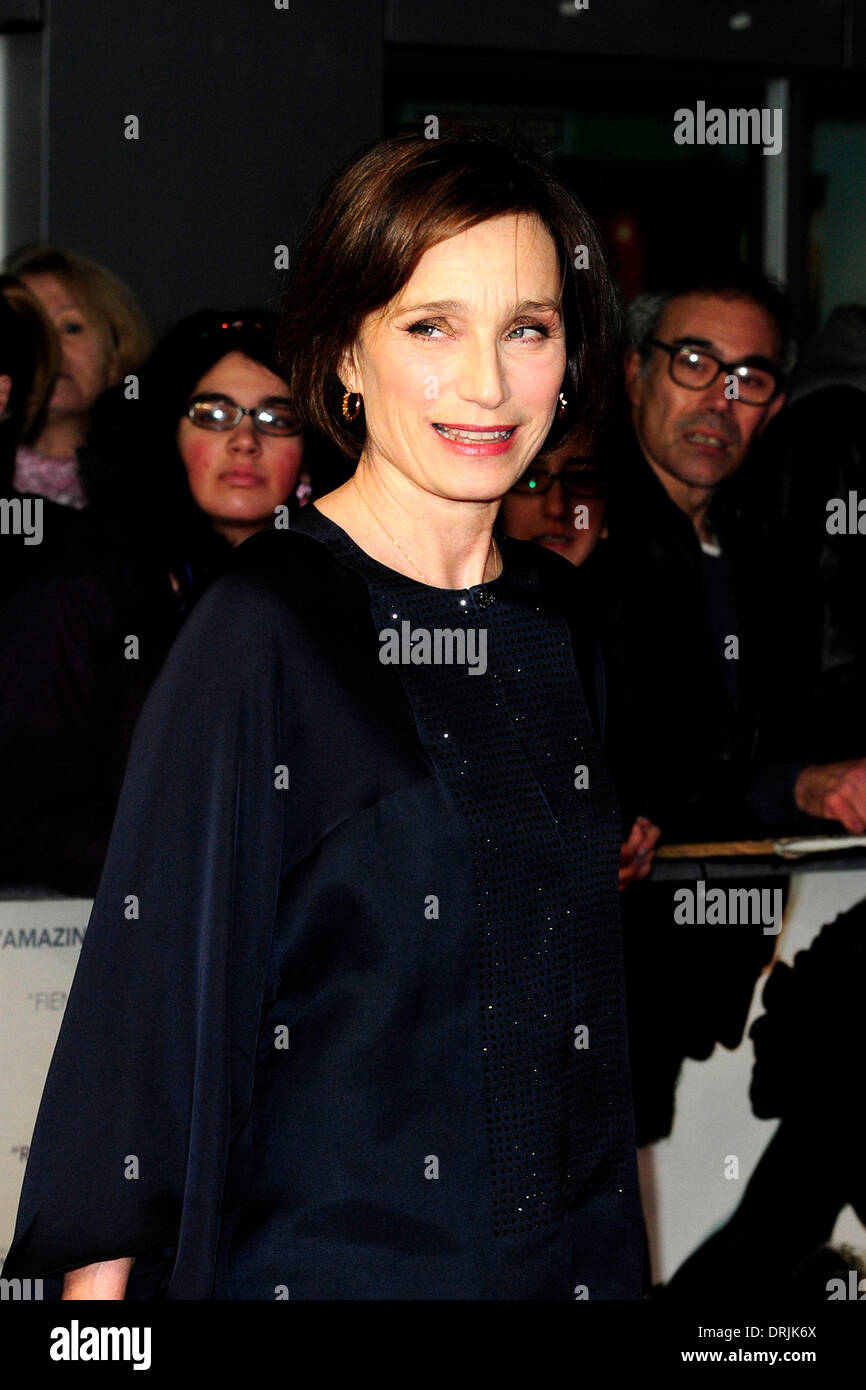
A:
{"points": [[731, 282]]}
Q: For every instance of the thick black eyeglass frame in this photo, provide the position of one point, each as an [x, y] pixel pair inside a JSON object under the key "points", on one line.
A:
{"points": [[240, 411], [584, 489], [730, 369]]}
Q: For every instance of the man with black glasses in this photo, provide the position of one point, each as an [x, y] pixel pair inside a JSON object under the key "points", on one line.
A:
{"points": [[704, 734]]}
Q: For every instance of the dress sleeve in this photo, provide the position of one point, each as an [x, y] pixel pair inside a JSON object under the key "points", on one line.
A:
{"points": [[68, 706], [152, 1074]]}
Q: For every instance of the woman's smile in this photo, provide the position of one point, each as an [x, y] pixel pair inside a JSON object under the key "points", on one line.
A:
{"points": [[476, 439]]}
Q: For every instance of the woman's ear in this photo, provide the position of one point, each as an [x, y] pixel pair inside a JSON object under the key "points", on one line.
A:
{"points": [[348, 372], [633, 374]]}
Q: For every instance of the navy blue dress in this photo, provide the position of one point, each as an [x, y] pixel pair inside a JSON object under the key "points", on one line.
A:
{"points": [[348, 1021]]}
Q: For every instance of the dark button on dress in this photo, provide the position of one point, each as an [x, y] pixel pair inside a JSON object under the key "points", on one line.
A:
{"points": [[375, 1044]]}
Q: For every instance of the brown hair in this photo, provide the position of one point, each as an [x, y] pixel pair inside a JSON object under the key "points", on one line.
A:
{"points": [[32, 360], [387, 206], [111, 304]]}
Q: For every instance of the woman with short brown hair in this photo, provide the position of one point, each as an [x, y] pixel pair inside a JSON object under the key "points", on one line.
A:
{"points": [[363, 877], [391, 204]]}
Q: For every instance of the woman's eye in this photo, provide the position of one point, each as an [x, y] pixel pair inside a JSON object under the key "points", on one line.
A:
{"points": [[423, 330], [71, 326], [537, 330]]}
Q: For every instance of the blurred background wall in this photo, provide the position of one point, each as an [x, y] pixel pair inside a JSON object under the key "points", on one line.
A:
{"points": [[244, 109]]}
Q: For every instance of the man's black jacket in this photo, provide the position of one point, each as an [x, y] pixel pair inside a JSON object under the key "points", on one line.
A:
{"points": [[682, 751]]}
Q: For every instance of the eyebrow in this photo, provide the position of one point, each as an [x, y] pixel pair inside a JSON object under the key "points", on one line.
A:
{"points": [[692, 340], [457, 306], [225, 396]]}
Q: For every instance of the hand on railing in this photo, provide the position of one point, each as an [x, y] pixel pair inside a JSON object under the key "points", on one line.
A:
{"points": [[636, 855], [835, 791]]}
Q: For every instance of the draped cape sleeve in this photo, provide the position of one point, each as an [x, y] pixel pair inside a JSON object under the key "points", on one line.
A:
{"points": [[231, 900], [153, 1070]]}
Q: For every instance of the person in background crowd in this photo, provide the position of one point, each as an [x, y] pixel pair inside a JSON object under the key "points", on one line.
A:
{"points": [[562, 487], [703, 654], [704, 729], [181, 468], [179, 477], [28, 365], [684, 559], [684, 562], [103, 337], [810, 484], [560, 503]]}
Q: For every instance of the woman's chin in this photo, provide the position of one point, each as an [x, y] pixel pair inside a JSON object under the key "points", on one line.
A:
{"points": [[564, 546]]}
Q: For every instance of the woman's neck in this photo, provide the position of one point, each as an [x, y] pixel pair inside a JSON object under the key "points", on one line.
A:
{"points": [[60, 438], [443, 542], [235, 532]]}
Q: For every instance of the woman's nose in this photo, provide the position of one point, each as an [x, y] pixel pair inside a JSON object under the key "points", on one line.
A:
{"points": [[244, 437], [481, 378]]}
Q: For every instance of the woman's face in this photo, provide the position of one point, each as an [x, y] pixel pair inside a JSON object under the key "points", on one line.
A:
{"points": [[239, 476], [570, 522], [87, 360], [460, 372]]}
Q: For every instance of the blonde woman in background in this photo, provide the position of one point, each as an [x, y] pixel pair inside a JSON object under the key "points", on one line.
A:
{"points": [[102, 337]]}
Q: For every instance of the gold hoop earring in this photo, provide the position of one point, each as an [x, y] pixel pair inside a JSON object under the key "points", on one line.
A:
{"points": [[562, 407], [357, 411]]}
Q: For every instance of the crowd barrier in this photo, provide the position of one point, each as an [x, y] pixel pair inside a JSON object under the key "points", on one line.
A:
{"points": [[40, 941], [687, 1187]]}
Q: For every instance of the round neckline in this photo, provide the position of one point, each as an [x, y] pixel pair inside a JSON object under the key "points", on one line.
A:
{"points": [[407, 578]]}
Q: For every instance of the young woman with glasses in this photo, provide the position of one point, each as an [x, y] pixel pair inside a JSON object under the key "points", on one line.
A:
{"points": [[179, 477]]}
